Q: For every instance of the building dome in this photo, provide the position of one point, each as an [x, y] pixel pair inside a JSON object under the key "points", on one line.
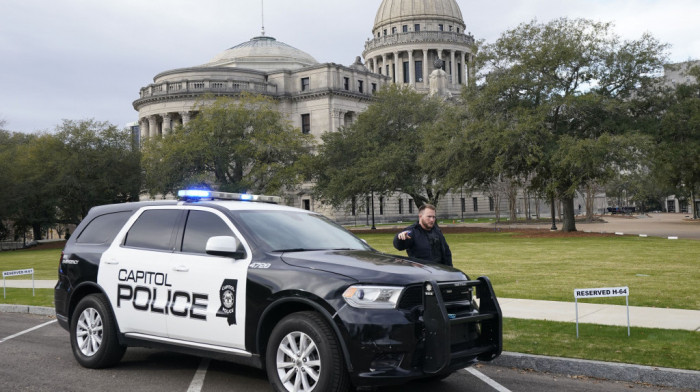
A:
{"points": [[398, 11], [263, 53]]}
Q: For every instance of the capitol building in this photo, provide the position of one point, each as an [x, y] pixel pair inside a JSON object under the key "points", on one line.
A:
{"points": [[423, 44]]}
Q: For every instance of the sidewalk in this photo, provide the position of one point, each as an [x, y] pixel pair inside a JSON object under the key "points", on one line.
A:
{"points": [[601, 314], [550, 310]]}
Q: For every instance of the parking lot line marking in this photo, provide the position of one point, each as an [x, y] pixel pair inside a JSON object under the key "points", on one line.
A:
{"points": [[26, 331], [487, 380], [198, 379]]}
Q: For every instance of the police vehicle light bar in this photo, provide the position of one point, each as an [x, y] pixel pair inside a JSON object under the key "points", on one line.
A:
{"points": [[200, 194]]}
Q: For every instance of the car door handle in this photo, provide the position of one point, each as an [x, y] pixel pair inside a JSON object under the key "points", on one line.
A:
{"points": [[181, 268], [111, 261]]}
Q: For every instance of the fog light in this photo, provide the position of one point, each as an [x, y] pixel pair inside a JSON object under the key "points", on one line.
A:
{"points": [[386, 362]]}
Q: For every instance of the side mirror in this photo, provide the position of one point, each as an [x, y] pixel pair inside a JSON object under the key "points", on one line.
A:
{"points": [[226, 246]]}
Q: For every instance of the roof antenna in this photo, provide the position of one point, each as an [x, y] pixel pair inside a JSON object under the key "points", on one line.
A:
{"points": [[262, 11]]}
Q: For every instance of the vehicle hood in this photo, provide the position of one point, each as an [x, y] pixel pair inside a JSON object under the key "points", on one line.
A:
{"points": [[372, 267]]}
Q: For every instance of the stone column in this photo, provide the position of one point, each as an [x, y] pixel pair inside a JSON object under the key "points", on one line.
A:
{"points": [[167, 123], [143, 129], [152, 126], [396, 68], [426, 71], [384, 66], [185, 118], [453, 68], [411, 69]]}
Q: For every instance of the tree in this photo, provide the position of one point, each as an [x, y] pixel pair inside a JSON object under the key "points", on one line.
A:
{"points": [[384, 151], [33, 200], [239, 145], [568, 91], [56, 178], [93, 163], [678, 141]]}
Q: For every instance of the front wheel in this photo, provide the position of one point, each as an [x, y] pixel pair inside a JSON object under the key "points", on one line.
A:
{"points": [[303, 355], [93, 333]]}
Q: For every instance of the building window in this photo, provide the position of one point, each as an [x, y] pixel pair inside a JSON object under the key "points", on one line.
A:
{"points": [[374, 87], [400, 206], [419, 70], [450, 28], [346, 83], [198, 85], [379, 34], [381, 205], [410, 206], [464, 204], [217, 85], [405, 28], [459, 73], [393, 73], [305, 123], [368, 205], [393, 30], [405, 72], [416, 27], [491, 204], [307, 204], [475, 201], [354, 206], [458, 29], [385, 32], [304, 84], [360, 86], [441, 27]]}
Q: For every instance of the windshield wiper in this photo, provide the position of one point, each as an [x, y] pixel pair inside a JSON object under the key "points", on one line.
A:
{"points": [[294, 250]]}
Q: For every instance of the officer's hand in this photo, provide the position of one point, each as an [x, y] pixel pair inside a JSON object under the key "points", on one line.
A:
{"points": [[404, 235]]}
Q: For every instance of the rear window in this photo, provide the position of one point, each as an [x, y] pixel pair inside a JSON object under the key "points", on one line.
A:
{"points": [[103, 228], [153, 230]]}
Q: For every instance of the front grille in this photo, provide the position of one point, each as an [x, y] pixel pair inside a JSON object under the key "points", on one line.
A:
{"points": [[412, 297]]}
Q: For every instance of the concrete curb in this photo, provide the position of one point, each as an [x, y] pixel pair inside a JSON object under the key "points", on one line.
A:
{"points": [[677, 378], [39, 310]]}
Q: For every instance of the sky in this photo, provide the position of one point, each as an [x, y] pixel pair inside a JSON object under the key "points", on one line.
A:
{"points": [[87, 59]]}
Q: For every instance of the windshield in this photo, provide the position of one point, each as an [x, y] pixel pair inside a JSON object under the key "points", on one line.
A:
{"points": [[293, 231]]}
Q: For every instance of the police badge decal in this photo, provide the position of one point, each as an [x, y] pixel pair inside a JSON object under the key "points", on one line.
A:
{"points": [[227, 296]]}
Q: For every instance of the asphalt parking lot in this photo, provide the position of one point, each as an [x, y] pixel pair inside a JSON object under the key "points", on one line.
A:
{"points": [[35, 355]]}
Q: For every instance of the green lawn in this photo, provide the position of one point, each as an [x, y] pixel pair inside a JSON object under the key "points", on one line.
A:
{"points": [[644, 346], [45, 262], [659, 272]]}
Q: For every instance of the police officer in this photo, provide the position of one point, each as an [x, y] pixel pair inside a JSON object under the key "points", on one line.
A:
{"points": [[424, 240]]}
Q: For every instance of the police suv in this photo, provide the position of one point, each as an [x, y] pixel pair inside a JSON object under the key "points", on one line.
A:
{"points": [[237, 277]]}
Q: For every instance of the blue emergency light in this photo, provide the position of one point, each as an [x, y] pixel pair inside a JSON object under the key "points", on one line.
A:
{"points": [[203, 194]]}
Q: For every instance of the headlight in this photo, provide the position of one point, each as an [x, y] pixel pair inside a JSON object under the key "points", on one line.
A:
{"points": [[376, 297]]}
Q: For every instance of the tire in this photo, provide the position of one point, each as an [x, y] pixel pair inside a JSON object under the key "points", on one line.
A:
{"points": [[93, 333], [303, 355]]}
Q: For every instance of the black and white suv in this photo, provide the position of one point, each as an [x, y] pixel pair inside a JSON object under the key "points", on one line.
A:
{"points": [[268, 286]]}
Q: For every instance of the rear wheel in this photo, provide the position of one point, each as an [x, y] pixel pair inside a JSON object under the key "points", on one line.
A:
{"points": [[93, 333], [303, 355]]}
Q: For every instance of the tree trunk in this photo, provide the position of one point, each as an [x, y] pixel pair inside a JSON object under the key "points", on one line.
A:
{"points": [[512, 194], [36, 229], [568, 223]]}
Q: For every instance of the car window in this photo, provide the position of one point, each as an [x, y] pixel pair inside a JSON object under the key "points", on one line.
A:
{"points": [[200, 226], [153, 230], [296, 231], [103, 228]]}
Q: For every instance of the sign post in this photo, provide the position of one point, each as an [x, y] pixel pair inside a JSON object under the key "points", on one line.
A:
{"points": [[5, 274], [603, 292]]}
